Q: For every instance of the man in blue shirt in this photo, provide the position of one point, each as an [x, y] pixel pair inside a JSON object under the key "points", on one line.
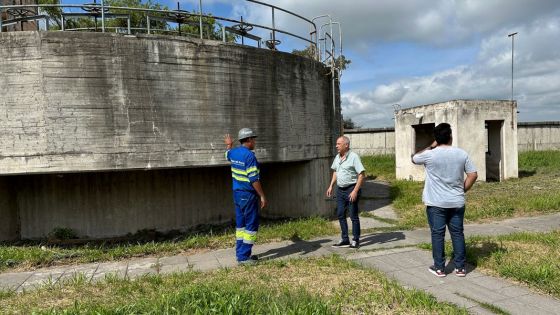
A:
{"points": [[247, 192]]}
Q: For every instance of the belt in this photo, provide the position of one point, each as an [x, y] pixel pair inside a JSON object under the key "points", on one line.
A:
{"points": [[346, 187]]}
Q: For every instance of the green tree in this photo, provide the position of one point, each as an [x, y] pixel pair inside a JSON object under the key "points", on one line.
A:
{"points": [[190, 26], [310, 52], [348, 123], [53, 13]]}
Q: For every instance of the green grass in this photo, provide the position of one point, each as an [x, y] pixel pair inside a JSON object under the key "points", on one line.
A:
{"points": [[327, 285], [537, 191], [531, 258], [28, 256], [491, 307], [381, 167], [539, 161]]}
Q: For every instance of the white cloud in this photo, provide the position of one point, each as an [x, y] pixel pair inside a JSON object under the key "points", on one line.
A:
{"points": [[439, 25], [536, 83]]}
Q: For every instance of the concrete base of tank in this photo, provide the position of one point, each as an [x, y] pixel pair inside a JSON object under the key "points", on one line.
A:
{"points": [[104, 204]]}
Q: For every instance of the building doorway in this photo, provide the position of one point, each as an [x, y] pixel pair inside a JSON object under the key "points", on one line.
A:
{"points": [[423, 136], [494, 151]]}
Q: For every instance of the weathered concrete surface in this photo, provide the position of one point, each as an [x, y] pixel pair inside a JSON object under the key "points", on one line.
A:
{"points": [[538, 136], [71, 102], [467, 119], [372, 141], [112, 134], [116, 203], [531, 136]]}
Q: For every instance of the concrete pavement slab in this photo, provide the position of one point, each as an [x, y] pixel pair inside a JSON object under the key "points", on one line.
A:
{"points": [[203, 262], [514, 291], [411, 259], [114, 269], [226, 261], [43, 276], [12, 281], [411, 280], [515, 307], [386, 212], [142, 266], [371, 223], [541, 301], [378, 263], [476, 292], [443, 295], [479, 310], [174, 264], [85, 270], [492, 283]]}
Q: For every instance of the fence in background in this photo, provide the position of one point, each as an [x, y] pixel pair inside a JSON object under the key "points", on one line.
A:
{"points": [[531, 136]]}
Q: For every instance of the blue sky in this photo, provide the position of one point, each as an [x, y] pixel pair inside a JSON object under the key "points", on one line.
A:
{"points": [[414, 52]]}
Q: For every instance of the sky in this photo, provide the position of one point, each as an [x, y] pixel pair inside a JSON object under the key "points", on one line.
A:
{"points": [[415, 52]]}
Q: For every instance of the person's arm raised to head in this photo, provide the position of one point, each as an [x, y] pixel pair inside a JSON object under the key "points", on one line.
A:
{"points": [[432, 146], [228, 141]]}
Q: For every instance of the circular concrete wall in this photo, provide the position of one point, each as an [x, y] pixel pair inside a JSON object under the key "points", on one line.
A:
{"points": [[93, 102], [73, 102]]}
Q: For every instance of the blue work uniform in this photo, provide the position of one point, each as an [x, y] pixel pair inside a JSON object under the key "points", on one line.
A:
{"points": [[244, 172]]}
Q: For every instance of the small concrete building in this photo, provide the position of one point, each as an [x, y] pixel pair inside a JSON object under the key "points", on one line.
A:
{"points": [[487, 130]]}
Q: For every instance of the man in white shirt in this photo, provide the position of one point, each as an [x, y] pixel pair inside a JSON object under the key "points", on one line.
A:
{"points": [[444, 196], [349, 174]]}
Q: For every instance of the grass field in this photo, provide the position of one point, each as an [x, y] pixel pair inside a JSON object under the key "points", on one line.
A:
{"points": [[21, 257], [537, 191], [328, 285]]}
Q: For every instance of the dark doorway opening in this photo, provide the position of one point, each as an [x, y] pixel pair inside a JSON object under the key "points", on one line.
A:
{"points": [[494, 152], [423, 136]]}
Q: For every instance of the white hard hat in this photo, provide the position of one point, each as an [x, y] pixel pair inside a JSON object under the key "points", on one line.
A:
{"points": [[245, 133]]}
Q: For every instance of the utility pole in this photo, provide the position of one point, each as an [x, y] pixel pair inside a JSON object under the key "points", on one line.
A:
{"points": [[512, 35]]}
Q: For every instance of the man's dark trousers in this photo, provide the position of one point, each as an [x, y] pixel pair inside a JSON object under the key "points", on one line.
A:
{"points": [[343, 203]]}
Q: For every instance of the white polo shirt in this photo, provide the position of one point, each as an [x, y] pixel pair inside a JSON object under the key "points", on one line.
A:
{"points": [[348, 170]]}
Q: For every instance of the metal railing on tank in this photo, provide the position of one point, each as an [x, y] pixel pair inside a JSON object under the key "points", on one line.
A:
{"points": [[320, 43], [98, 17]]}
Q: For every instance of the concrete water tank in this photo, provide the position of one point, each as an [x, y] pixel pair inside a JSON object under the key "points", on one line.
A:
{"points": [[109, 134]]}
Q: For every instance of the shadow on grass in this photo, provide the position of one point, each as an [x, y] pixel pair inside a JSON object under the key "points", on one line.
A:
{"points": [[480, 251], [524, 173]]}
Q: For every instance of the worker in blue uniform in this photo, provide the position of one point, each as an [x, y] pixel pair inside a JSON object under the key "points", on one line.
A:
{"points": [[248, 193]]}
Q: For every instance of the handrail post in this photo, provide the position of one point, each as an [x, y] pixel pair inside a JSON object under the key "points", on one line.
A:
{"points": [[36, 14], [273, 28], [102, 16], [148, 23], [1, 21], [200, 16], [128, 25]]}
